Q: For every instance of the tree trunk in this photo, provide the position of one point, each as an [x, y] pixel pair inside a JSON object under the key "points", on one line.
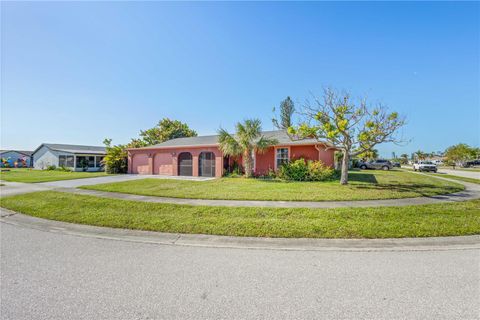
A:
{"points": [[247, 163], [345, 161]]}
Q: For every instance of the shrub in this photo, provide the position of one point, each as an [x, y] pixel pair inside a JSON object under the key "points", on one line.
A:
{"points": [[51, 167], [301, 170], [64, 169], [269, 175], [318, 171], [235, 171], [296, 170], [115, 161]]}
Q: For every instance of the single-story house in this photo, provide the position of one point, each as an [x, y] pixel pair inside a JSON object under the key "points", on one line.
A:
{"points": [[201, 156], [16, 158], [75, 157]]}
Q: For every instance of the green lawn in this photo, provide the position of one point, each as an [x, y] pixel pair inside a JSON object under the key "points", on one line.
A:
{"points": [[461, 218], [33, 176], [363, 185]]}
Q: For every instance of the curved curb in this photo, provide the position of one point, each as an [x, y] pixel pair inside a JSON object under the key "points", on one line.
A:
{"points": [[471, 192], [212, 241]]}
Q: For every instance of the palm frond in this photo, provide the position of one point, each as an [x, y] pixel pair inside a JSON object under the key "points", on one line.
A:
{"points": [[228, 145], [264, 143], [248, 131]]}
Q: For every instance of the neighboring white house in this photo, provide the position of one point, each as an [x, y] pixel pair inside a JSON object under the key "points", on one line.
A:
{"points": [[75, 157], [16, 158]]}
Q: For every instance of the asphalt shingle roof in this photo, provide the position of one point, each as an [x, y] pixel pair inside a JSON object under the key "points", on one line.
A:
{"points": [[72, 148], [280, 135], [27, 153]]}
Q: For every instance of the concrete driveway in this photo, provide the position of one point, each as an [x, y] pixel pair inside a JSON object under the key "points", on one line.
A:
{"points": [[51, 275], [114, 178], [13, 188], [461, 173]]}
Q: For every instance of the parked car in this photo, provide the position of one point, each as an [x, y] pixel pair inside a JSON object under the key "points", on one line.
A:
{"points": [[396, 164], [472, 163], [376, 164], [425, 166]]}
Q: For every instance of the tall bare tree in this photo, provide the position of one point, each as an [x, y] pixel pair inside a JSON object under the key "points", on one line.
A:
{"points": [[353, 127]]}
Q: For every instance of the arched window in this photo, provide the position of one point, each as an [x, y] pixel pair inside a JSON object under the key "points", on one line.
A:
{"points": [[185, 163]]}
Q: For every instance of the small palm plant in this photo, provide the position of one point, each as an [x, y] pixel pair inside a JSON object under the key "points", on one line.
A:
{"points": [[248, 139]]}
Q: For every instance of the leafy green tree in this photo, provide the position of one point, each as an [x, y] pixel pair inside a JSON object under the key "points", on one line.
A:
{"points": [[348, 125], [404, 158], [369, 155], [460, 153], [115, 160], [136, 143], [287, 108], [248, 139], [420, 155], [166, 129]]}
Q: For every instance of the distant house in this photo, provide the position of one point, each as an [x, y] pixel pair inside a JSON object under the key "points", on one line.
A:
{"points": [[75, 157], [438, 160], [16, 158], [201, 156]]}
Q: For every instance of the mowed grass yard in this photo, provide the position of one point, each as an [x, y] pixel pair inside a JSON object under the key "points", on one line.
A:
{"points": [[448, 219], [34, 176], [363, 185]]}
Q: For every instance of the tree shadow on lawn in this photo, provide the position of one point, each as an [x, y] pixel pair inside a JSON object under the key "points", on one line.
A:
{"points": [[425, 190], [362, 177]]}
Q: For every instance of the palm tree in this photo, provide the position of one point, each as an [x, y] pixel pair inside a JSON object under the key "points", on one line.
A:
{"points": [[247, 140], [421, 155]]}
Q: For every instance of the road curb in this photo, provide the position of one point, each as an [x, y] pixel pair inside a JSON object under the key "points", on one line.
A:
{"points": [[213, 241]]}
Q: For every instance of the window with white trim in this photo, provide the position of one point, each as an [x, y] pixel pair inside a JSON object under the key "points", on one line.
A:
{"points": [[65, 161], [281, 156], [85, 161]]}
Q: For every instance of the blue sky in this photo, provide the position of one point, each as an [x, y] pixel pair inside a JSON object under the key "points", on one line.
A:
{"points": [[80, 72]]}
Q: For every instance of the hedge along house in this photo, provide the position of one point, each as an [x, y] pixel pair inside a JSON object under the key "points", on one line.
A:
{"points": [[201, 156], [74, 157]]}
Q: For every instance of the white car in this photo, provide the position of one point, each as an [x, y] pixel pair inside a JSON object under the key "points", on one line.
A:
{"points": [[425, 166]]}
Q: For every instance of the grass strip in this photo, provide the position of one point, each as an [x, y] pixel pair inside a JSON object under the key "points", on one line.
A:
{"points": [[447, 219]]}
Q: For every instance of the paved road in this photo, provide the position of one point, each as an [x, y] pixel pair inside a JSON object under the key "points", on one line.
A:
{"points": [[47, 275], [461, 173]]}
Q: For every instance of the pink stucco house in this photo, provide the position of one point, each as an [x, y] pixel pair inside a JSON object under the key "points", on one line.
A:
{"points": [[201, 156]]}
